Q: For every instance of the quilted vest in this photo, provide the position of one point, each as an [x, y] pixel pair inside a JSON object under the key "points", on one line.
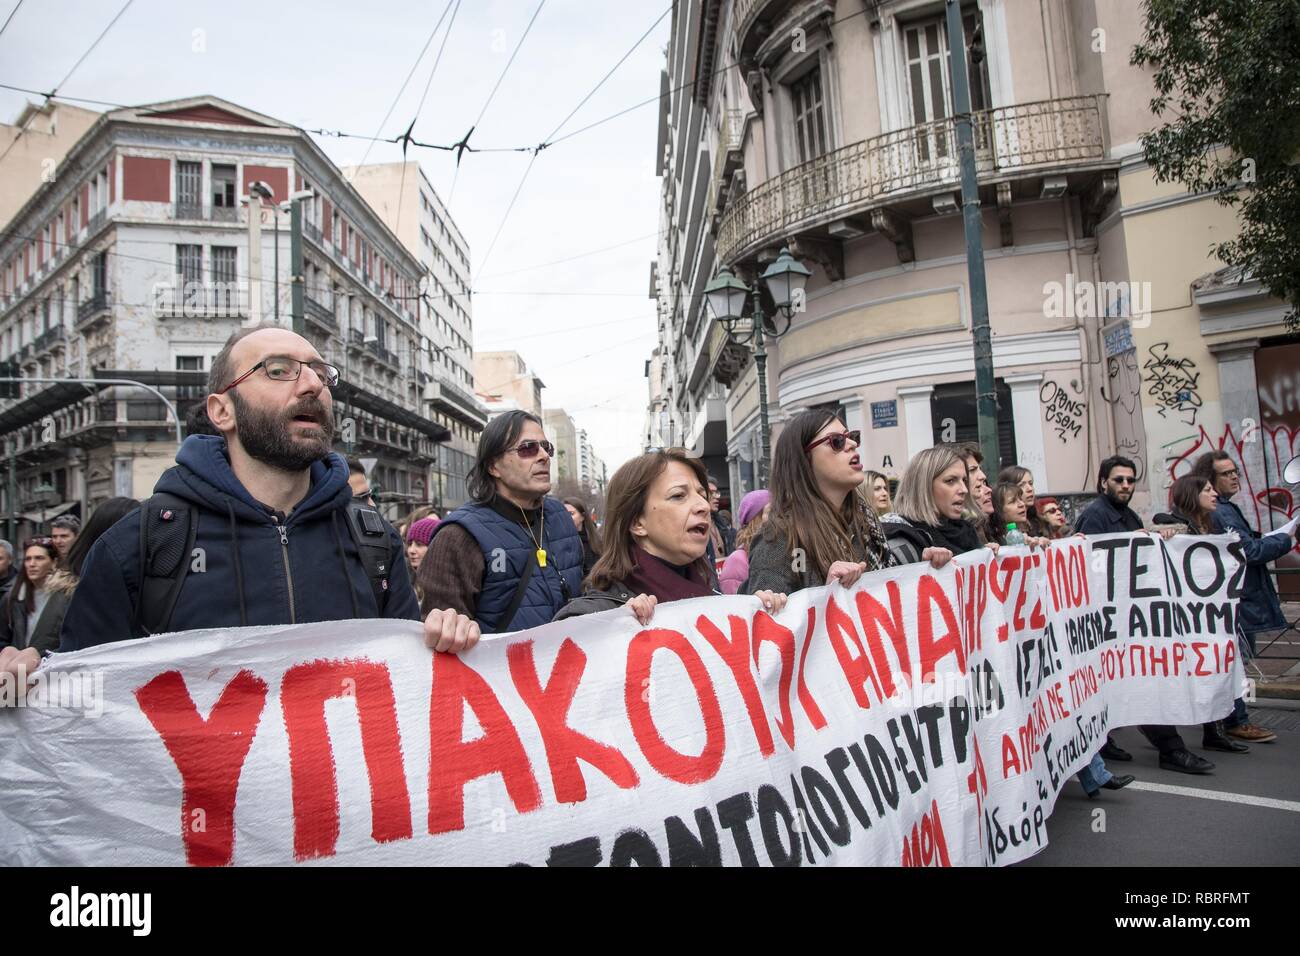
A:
{"points": [[507, 550]]}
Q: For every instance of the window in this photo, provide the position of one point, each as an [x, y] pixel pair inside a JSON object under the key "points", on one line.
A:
{"points": [[809, 115], [189, 363], [223, 277], [929, 91], [223, 186], [99, 274], [189, 189], [189, 265]]}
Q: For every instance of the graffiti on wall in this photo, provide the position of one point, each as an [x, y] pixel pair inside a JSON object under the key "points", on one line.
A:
{"points": [[1123, 392], [1266, 505], [1173, 383], [1064, 414]]}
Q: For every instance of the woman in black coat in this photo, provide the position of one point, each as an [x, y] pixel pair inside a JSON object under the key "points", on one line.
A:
{"points": [[32, 613]]}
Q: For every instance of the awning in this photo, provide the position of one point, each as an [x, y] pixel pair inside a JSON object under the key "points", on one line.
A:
{"points": [[50, 513]]}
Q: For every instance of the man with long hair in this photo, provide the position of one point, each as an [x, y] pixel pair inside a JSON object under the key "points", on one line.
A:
{"points": [[510, 558]]}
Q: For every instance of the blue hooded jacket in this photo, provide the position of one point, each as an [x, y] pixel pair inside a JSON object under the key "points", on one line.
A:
{"points": [[1260, 609], [249, 576]]}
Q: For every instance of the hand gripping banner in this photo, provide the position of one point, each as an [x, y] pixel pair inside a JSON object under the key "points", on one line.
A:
{"points": [[923, 718]]}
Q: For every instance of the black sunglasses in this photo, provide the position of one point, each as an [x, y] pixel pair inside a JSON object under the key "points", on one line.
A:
{"points": [[837, 441], [529, 449], [1124, 480]]}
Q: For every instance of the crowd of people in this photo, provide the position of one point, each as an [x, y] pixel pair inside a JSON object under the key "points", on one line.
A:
{"points": [[261, 523]]}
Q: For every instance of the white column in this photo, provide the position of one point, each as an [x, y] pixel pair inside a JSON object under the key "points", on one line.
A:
{"points": [[1028, 419], [853, 413], [916, 415]]}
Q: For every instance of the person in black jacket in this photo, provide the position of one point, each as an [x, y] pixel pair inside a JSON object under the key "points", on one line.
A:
{"points": [[32, 611], [1110, 514], [930, 506], [271, 500], [1259, 609], [8, 568]]}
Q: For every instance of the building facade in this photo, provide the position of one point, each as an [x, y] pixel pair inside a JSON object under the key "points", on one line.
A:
{"points": [[409, 205], [505, 383], [139, 260], [33, 149], [827, 127]]}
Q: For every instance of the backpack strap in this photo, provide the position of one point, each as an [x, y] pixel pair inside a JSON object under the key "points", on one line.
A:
{"points": [[168, 527], [370, 534]]}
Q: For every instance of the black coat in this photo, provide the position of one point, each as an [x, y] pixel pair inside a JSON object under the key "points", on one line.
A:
{"points": [[1103, 516], [45, 639]]}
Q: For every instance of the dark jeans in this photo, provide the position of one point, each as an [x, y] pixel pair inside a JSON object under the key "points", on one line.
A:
{"points": [[1164, 737], [1239, 717]]}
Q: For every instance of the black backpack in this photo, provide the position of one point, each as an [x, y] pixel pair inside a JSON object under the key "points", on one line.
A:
{"points": [[169, 525]]}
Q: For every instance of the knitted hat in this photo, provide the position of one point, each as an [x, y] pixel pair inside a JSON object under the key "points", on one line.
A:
{"points": [[752, 505], [421, 531]]}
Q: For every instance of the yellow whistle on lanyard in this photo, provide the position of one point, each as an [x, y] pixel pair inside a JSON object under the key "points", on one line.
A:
{"points": [[541, 557]]}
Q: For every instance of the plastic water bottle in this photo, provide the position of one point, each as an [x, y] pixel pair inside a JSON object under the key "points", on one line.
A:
{"points": [[1014, 536]]}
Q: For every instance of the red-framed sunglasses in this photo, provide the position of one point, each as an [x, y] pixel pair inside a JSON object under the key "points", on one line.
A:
{"points": [[837, 441]]}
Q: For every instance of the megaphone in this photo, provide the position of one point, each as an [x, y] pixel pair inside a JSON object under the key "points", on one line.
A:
{"points": [[1291, 473]]}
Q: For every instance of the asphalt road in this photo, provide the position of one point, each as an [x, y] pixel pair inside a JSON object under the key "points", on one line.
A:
{"points": [[1245, 813]]}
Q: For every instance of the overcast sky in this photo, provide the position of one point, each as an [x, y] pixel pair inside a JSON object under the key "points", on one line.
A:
{"points": [[585, 326]]}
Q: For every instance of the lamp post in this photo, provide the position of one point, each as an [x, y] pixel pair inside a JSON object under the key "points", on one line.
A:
{"points": [[785, 280]]}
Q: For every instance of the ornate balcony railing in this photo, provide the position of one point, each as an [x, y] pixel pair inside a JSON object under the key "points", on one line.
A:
{"points": [[320, 313], [93, 306], [1027, 137]]}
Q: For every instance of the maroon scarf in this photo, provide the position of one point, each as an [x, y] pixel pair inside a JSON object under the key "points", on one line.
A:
{"points": [[665, 581]]}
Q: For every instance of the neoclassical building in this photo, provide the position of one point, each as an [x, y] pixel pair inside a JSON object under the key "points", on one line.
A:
{"points": [[827, 126]]}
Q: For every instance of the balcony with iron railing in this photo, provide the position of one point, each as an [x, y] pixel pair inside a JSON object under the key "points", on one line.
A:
{"points": [[320, 315], [50, 337], [1027, 140], [94, 308]]}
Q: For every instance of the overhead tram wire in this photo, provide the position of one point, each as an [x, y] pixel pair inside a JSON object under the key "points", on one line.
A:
{"points": [[405, 138], [9, 19], [53, 92], [377, 138], [536, 152], [464, 143]]}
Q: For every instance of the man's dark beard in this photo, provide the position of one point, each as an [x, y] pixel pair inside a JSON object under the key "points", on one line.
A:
{"points": [[1116, 500], [266, 436]]}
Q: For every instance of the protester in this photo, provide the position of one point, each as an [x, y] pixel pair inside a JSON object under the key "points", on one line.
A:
{"points": [[32, 614], [107, 514], [657, 529], [417, 541], [928, 508], [1109, 513], [358, 482], [876, 491], [754, 509], [1260, 609], [819, 530], [1194, 501], [268, 511], [63, 532], [8, 568], [587, 531], [511, 557], [978, 509], [1023, 477], [722, 537], [1052, 518]]}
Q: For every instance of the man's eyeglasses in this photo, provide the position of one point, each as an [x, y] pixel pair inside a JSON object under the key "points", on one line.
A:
{"points": [[1125, 480], [281, 368], [1230, 473], [837, 441], [529, 449]]}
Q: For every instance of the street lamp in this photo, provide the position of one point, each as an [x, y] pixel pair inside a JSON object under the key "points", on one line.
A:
{"points": [[785, 280]]}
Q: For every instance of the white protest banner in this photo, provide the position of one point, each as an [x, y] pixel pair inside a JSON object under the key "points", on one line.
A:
{"points": [[924, 718]]}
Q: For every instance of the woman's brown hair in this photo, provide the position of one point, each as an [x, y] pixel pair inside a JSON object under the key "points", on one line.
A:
{"points": [[1186, 498], [799, 512], [625, 500]]}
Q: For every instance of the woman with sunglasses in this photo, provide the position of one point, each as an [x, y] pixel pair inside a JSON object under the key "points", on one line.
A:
{"points": [[929, 510], [32, 614], [657, 527], [1052, 518], [819, 530]]}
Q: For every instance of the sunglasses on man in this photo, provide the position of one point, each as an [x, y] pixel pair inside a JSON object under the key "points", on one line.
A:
{"points": [[837, 441], [530, 448]]}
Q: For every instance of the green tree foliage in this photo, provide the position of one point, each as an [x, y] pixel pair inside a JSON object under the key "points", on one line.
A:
{"points": [[1227, 77]]}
